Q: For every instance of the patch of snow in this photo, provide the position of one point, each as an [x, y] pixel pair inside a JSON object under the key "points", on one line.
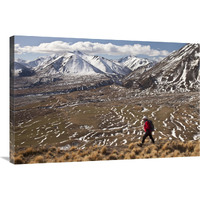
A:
{"points": [[145, 110], [124, 141], [165, 125], [174, 133], [181, 138], [113, 142], [196, 137]]}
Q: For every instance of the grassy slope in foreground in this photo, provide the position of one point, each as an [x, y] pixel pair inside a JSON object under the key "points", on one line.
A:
{"points": [[162, 149]]}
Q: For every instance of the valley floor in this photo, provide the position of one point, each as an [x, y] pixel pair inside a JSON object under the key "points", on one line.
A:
{"points": [[107, 117]]}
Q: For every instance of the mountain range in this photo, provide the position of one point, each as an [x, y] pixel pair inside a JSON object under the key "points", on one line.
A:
{"points": [[178, 71], [78, 63]]}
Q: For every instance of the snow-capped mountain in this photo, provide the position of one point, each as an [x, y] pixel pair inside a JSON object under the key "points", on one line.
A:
{"points": [[37, 62], [78, 63], [21, 61], [135, 63], [22, 70], [66, 64], [40, 61], [177, 72], [107, 66]]}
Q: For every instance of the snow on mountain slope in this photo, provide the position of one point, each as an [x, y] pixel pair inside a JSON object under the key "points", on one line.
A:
{"points": [[134, 63], [66, 64], [106, 66], [37, 62], [76, 62], [21, 61], [137, 65], [21, 70], [177, 72], [17, 68], [41, 61]]}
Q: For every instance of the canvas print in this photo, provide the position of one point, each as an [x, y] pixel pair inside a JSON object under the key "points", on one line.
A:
{"points": [[74, 99]]}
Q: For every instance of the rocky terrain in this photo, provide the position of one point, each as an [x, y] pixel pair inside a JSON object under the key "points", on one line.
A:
{"points": [[178, 72]]}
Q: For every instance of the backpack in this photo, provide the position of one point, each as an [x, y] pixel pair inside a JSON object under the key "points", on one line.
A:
{"points": [[151, 125]]}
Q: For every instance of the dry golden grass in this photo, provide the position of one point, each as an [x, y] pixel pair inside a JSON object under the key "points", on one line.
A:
{"points": [[18, 160], [39, 159], [112, 157], [131, 145], [66, 156], [104, 150], [162, 149], [28, 151]]}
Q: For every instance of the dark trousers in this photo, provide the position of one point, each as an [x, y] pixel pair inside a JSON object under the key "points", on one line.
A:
{"points": [[148, 133]]}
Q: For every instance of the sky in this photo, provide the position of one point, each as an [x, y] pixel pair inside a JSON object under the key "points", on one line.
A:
{"points": [[31, 47]]}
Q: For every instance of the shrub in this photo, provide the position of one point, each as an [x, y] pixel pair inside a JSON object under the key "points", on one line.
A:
{"points": [[196, 150], [176, 153], [99, 157], [50, 154], [137, 150], [66, 156], [104, 150], [86, 158], [163, 155], [154, 153], [127, 156], [132, 155], [121, 155], [39, 159], [112, 157], [146, 150], [53, 149], [147, 156], [18, 160], [84, 153], [181, 147], [190, 146], [165, 146], [73, 148], [93, 156], [60, 159], [131, 145], [153, 147], [73, 155], [29, 151], [115, 152]]}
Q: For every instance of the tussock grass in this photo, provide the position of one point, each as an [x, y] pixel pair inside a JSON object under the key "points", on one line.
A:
{"points": [[39, 159], [162, 149], [113, 157], [104, 150], [28, 151], [18, 160], [131, 145]]}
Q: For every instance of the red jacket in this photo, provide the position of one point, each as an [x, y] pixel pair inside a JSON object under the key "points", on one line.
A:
{"points": [[147, 126]]}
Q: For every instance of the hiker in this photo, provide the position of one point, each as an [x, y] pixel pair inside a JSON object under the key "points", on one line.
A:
{"points": [[148, 128]]}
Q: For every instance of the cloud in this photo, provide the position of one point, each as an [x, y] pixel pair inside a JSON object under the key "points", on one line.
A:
{"points": [[91, 48]]}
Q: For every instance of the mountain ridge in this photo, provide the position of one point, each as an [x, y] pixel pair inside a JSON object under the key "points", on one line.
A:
{"points": [[177, 72], [91, 63]]}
